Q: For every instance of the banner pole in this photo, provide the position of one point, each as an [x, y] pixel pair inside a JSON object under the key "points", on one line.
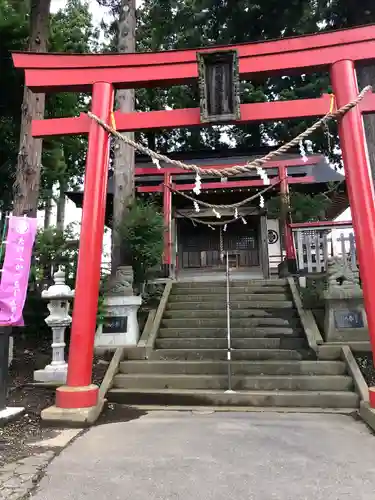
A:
{"points": [[2, 241], [4, 362]]}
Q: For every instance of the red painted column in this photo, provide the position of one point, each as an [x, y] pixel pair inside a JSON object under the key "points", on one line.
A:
{"points": [[360, 186], [288, 233], [79, 392], [167, 211]]}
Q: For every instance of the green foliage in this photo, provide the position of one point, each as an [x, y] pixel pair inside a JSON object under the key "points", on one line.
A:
{"points": [[171, 24], [13, 36], [142, 228], [54, 248], [64, 158], [303, 207], [101, 309], [34, 314], [312, 295]]}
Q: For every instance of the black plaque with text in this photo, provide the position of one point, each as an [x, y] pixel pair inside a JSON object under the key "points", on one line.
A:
{"points": [[115, 325], [346, 318]]}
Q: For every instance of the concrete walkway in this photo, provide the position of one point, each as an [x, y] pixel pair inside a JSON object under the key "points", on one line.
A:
{"points": [[217, 456]]}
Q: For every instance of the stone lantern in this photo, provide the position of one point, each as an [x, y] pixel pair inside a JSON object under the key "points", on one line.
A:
{"points": [[59, 296]]}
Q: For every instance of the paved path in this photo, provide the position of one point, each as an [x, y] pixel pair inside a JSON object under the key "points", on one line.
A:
{"points": [[17, 478], [220, 456]]}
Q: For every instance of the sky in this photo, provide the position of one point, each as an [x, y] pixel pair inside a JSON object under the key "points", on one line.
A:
{"points": [[96, 10]]}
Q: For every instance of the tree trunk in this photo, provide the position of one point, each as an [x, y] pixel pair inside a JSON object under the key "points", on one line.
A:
{"points": [[48, 212], [124, 155], [26, 188], [61, 204], [366, 76]]}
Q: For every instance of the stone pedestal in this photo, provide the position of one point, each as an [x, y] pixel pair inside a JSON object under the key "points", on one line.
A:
{"points": [[120, 327], [345, 316], [59, 296]]}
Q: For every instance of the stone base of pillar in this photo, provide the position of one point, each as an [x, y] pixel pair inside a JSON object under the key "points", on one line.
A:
{"points": [[120, 327], [166, 270], [52, 373], [292, 266], [287, 267], [73, 417]]}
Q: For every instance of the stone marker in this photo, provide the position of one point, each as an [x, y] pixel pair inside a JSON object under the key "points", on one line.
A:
{"points": [[120, 327], [345, 316]]}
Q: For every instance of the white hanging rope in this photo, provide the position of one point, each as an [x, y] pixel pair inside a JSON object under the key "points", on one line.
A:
{"points": [[156, 162], [198, 185], [302, 152]]}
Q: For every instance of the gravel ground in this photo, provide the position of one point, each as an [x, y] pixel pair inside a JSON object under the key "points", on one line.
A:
{"points": [[16, 435], [366, 365]]}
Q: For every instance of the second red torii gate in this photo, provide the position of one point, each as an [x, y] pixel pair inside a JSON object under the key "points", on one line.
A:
{"points": [[336, 52]]}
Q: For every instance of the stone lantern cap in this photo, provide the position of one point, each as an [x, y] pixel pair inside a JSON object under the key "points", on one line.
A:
{"points": [[60, 290]]}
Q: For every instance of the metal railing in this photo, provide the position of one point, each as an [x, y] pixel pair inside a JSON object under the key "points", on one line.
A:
{"points": [[229, 343]]}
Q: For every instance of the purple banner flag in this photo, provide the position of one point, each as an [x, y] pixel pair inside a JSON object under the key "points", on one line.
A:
{"points": [[16, 269]]}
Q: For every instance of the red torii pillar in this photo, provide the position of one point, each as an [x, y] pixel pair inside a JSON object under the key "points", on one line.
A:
{"points": [[79, 392], [167, 212], [360, 186], [290, 250]]}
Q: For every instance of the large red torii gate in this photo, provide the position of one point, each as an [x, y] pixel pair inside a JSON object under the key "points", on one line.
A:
{"points": [[336, 52]]}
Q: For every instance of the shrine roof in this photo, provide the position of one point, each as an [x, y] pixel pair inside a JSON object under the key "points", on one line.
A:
{"points": [[317, 172]]}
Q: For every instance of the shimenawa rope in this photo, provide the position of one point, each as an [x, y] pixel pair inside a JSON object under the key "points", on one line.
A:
{"points": [[238, 168]]}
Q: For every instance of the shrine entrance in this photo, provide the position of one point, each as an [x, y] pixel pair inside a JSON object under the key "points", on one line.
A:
{"points": [[204, 246], [334, 52]]}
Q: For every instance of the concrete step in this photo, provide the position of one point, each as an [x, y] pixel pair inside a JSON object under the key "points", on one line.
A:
{"points": [[221, 354], [205, 288], [243, 409], [233, 283], [254, 304], [243, 343], [211, 304], [239, 383], [237, 367], [302, 399], [266, 332], [214, 322], [221, 312], [235, 292]]}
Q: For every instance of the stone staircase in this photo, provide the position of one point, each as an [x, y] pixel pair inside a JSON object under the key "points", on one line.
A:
{"points": [[272, 365]]}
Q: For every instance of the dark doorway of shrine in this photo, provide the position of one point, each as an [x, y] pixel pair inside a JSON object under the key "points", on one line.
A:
{"points": [[205, 247]]}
